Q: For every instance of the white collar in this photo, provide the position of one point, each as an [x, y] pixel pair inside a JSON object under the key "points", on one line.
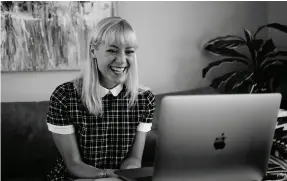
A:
{"points": [[115, 91]]}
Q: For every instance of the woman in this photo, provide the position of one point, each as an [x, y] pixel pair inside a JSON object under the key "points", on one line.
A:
{"points": [[99, 121]]}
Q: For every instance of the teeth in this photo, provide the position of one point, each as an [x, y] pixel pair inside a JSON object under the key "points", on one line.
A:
{"points": [[117, 69]]}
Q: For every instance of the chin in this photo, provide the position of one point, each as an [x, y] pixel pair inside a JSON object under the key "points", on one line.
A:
{"points": [[120, 80]]}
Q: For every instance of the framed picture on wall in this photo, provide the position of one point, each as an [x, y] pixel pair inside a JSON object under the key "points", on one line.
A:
{"points": [[48, 35]]}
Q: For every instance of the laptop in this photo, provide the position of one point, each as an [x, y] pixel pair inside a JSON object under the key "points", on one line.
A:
{"points": [[212, 137]]}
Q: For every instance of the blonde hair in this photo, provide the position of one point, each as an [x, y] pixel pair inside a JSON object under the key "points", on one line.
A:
{"points": [[109, 30]]}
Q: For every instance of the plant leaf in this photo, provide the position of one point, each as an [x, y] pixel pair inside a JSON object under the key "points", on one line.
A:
{"points": [[231, 44], [249, 41], [225, 52], [229, 41], [219, 62], [248, 36], [237, 78], [228, 37], [268, 50], [282, 53], [247, 77], [274, 70], [274, 73], [274, 62], [219, 80], [277, 26], [257, 44]]}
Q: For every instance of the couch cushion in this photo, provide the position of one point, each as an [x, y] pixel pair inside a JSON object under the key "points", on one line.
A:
{"points": [[27, 145], [25, 179], [28, 149]]}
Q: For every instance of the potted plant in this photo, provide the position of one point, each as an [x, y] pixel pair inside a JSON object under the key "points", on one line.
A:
{"points": [[264, 66]]}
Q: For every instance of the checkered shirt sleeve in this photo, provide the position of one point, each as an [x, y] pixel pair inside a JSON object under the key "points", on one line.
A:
{"points": [[146, 121], [57, 118]]}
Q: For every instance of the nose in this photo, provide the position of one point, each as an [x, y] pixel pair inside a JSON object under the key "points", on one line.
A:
{"points": [[121, 58]]}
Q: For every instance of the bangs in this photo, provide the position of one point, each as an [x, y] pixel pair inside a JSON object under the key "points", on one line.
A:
{"points": [[121, 34]]}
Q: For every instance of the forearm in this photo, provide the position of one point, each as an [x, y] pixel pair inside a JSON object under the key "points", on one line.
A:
{"points": [[80, 169], [101, 179], [138, 146], [67, 146]]}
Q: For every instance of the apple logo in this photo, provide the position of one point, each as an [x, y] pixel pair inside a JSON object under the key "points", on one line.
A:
{"points": [[219, 142]]}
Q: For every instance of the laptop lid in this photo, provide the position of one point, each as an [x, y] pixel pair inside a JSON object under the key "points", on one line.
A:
{"points": [[215, 137], [136, 174]]}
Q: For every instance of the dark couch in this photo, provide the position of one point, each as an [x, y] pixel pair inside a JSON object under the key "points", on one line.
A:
{"points": [[27, 147]]}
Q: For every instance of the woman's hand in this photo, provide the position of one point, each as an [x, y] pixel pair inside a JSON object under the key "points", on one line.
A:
{"points": [[111, 173], [111, 176], [131, 162], [134, 157], [101, 179]]}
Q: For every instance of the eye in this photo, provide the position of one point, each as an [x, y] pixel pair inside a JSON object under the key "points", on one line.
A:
{"points": [[111, 51], [130, 52]]}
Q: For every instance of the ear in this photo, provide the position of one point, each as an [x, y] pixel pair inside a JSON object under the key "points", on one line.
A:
{"points": [[93, 51]]}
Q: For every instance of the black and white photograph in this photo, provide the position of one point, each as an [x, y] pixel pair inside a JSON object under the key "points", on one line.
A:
{"points": [[143, 90]]}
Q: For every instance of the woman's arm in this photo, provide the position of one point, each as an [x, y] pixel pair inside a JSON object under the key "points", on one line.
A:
{"points": [[68, 148], [138, 146], [101, 179], [135, 157]]}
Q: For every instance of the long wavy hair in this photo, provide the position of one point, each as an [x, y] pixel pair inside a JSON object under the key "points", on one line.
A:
{"points": [[109, 30]]}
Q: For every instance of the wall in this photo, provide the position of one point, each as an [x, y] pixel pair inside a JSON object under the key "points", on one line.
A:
{"points": [[36, 86], [277, 13], [170, 36]]}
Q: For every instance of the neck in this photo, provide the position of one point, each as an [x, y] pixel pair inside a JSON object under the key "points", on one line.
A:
{"points": [[107, 84]]}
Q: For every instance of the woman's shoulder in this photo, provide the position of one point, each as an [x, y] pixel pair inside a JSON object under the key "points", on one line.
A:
{"points": [[65, 87], [146, 93], [63, 90]]}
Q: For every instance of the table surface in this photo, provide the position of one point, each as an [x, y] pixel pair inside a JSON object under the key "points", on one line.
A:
{"points": [[145, 174]]}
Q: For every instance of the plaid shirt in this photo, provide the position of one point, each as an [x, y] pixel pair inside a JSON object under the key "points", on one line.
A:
{"points": [[103, 140]]}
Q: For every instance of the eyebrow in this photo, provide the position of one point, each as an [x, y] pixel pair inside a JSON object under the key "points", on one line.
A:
{"points": [[114, 46]]}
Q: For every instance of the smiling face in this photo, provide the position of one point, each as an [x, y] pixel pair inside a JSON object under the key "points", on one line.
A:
{"points": [[112, 51], [114, 62]]}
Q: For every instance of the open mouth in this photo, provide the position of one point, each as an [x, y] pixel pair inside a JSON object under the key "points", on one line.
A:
{"points": [[118, 70]]}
